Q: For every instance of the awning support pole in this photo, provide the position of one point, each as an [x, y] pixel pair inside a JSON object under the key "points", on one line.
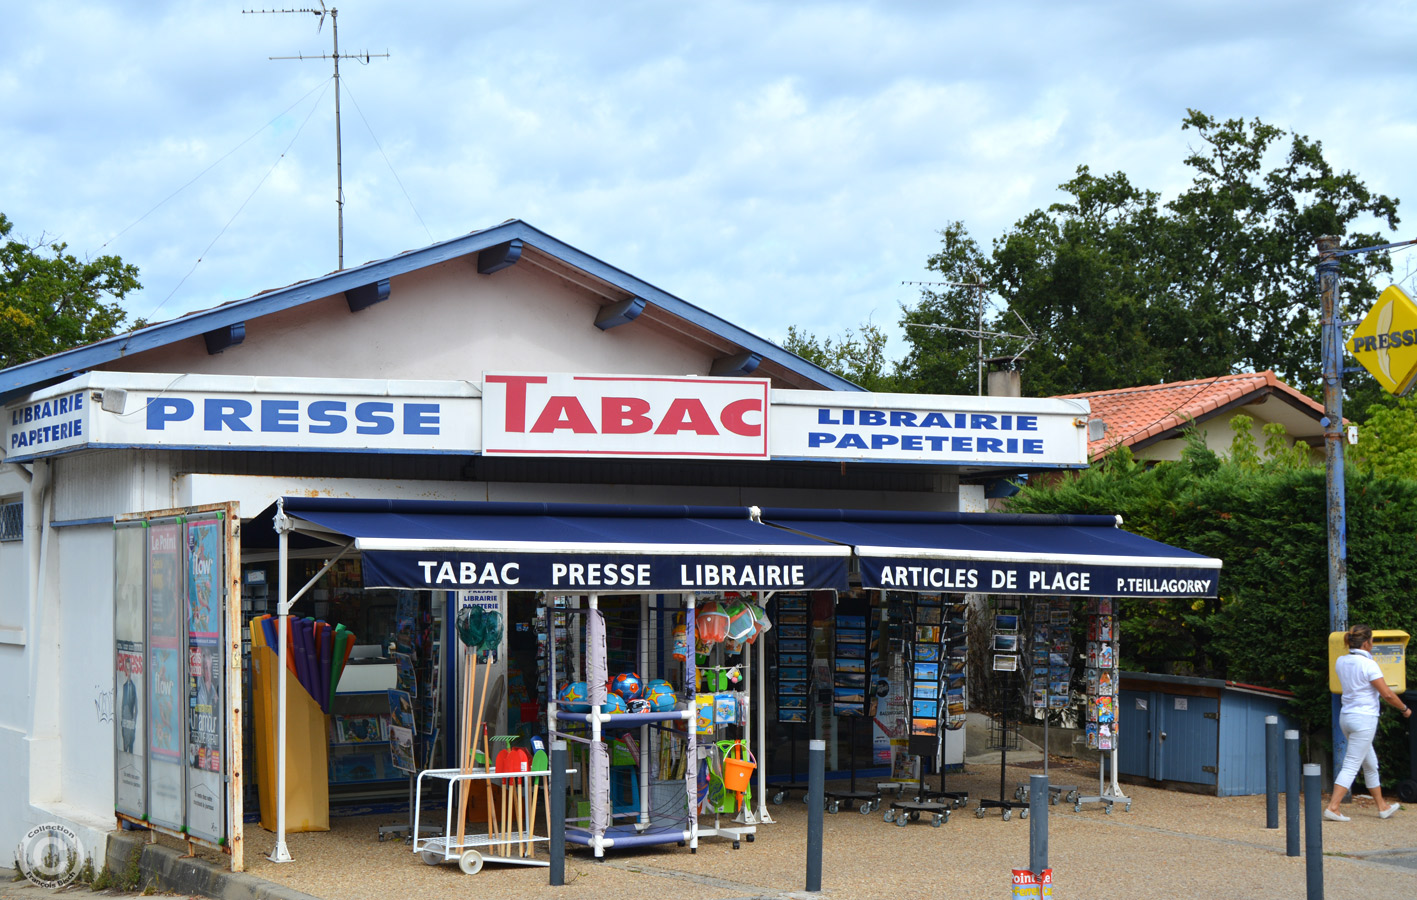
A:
{"points": [[280, 853], [762, 667]]}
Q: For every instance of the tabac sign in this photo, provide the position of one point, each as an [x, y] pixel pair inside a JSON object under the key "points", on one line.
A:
{"points": [[1386, 341]]}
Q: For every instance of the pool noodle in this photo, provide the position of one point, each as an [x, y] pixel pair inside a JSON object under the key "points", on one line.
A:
{"points": [[327, 652], [343, 641], [307, 646], [302, 657]]}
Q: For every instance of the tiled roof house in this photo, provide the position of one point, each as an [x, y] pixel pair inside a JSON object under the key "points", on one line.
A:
{"points": [[1151, 419]]}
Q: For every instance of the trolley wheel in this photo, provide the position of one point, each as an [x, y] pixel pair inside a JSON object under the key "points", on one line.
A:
{"points": [[778, 798], [750, 837], [1008, 814], [947, 815], [735, 845], [1054, 798], [1077, 807], [1073, 796], [470, 862], [430, 857], [901, 820], [834, 807], [1128, 807], [1107, 809], [867, 808], [979, 813], [1023, 813], [937, 820], [888, 816], [381, 837]]}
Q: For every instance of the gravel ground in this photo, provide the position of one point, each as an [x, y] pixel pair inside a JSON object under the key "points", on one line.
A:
{"points": [[1170, 844]]}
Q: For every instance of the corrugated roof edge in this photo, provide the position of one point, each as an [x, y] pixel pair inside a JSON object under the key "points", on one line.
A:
{"points": [[26, 377]]}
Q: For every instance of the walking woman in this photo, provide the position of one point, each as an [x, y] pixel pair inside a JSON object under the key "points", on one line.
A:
{"points": [[1363, 688]]}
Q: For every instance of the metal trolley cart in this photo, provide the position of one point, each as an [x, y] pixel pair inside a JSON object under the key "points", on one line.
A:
{"points": [[515, 847]]}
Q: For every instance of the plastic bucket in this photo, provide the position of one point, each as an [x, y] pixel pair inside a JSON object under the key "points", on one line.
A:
{"points": [[737, 773]]}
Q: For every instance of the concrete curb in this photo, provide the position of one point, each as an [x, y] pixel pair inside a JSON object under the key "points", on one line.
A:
{"points": [[166, 870]]}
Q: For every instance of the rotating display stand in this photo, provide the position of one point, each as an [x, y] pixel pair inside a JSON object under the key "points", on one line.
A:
{"points": [[1005, 696], [853, 662]]}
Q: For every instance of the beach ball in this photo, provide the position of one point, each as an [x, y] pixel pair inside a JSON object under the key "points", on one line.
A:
{"points": [[575, 697], [660, 695], [628, 685], [614, 703], [760, 618]]}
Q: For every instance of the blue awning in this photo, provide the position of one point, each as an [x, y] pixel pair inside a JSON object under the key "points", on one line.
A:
{"points": [[997, 553], [447, 545]]}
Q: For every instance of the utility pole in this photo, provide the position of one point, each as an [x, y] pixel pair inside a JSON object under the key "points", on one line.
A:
{"points": [[335, 55], [1331, 353]]}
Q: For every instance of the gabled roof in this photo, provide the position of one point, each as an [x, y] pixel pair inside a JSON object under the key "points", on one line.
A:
{"points": [[1138, 416], [503, 244]]}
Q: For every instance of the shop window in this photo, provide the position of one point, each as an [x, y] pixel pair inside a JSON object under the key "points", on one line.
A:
{"points": [[12, 520]]}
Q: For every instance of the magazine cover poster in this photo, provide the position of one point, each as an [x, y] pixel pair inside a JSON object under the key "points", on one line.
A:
{"points": [[130, 685], [206, 720], [167, 695]]}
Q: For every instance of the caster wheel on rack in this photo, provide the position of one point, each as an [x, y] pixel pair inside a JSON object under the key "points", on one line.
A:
{"points": [[947, 816], [470, 862], [1073, 796], [1008, 814], [381, 837], [735, 845], [866, 808], [1077, 807], [1053, 799], [900, 821], [777, 798], [888, 816], [430, 857], [979, 813], [1108, 810], [936, 821], [915, 817], [1023, 813], [834, 808], [750, 838], [1128, 807]]}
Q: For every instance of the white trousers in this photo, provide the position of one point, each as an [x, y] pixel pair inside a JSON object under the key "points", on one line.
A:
{"points": [[1360, 730]]}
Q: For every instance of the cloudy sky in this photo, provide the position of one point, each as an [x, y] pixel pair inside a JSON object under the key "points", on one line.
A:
{"points": [[778, 162]]}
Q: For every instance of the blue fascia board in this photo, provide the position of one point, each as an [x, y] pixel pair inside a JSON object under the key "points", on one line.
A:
{"points": [[26, 377]]}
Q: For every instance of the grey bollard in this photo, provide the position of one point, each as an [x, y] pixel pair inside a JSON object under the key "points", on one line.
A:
{"points": [[1313, 833], [1037, 823], [556, 803], [816, 805], [1291, 792], [1271, 771]]}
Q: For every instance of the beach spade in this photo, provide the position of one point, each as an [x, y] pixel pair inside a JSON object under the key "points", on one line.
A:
{"points": [[539, 763]]}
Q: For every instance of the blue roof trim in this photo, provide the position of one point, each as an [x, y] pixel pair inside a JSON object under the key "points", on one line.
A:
{"points": [[27, 377]]}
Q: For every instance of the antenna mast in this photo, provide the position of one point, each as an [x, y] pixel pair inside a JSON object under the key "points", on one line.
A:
{"points": [[978, 332], [336, 56]]}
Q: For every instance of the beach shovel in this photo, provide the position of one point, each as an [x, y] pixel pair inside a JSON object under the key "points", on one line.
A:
{"points": [[539, 763], [470, 629], [506, 764]]}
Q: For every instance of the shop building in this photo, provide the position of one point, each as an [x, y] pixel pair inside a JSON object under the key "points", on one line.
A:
{"points": [[500, 367]]}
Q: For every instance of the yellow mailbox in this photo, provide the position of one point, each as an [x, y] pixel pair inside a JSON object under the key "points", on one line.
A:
{"points": [[1389, 652]]}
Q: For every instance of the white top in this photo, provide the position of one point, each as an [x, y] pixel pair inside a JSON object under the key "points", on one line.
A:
{"points": [[1356, 673]]}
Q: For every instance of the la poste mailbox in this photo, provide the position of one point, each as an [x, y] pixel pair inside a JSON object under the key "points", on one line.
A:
{"points": [[1389, 652]]}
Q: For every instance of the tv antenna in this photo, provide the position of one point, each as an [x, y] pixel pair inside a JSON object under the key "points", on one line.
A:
{"points": [[979, 332], [333, 13]]}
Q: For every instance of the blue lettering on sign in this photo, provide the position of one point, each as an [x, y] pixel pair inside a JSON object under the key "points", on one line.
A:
{"points": [[49, 421], [998, 432], [293, 416]]}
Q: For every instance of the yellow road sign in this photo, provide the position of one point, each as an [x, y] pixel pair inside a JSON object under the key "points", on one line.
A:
{"points": [[1386, 341]]}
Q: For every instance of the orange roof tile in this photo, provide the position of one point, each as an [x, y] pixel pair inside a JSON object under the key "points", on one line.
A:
{"points": [[1136, 414]]}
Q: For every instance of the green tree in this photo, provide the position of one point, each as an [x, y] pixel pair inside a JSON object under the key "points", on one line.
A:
{"points": [[1387, 442], [857, 356], [1261, 511], [1123, 289], [52, 301]]}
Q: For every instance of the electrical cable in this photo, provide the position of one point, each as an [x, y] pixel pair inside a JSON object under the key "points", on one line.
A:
{"points": [[386, 160], [298, 132], [196, 177]]}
